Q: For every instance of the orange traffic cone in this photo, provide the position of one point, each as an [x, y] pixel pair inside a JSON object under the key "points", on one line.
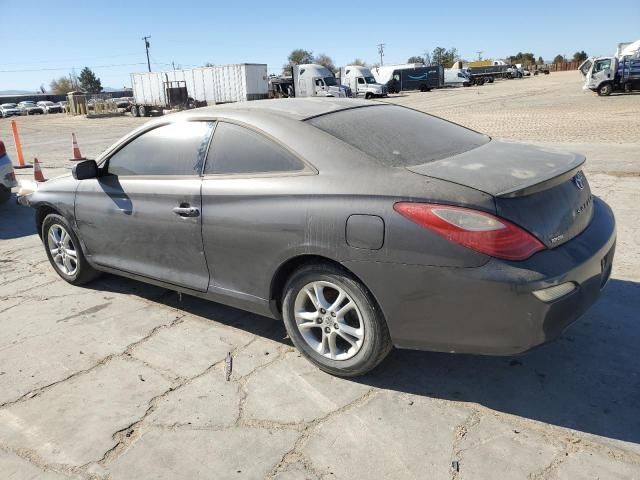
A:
{"points": [[38, 176], [77, 156]]}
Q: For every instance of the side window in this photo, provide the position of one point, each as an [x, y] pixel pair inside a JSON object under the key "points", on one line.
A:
{"points": [[361, 80], [175, 149], [237, 150]]}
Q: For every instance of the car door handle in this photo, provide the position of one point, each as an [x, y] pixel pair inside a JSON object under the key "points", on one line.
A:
{"points": [[187, 211]]}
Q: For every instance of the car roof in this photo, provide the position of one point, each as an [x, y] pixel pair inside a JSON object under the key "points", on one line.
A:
{"points": [[293, 108]]}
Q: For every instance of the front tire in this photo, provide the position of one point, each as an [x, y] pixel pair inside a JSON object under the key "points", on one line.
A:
{"points": [[334, 321], [605, 90], [64, 251]]}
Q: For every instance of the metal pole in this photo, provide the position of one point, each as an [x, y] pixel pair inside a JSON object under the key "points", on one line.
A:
{"points": [[146, 45]]}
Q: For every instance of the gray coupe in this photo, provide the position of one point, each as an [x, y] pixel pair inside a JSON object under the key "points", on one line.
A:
{"points": [[363, 225]]}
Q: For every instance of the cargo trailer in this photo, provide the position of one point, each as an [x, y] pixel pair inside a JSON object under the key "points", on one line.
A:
{"points": [[195, 87]]}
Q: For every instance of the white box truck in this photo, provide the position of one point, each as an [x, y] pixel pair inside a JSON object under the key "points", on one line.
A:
{"points": [[195, 87], [605, 75], [312, 80], [361, 82]]}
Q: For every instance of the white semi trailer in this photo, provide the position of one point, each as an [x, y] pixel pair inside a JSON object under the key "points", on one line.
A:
{"points": [[193, 87]]}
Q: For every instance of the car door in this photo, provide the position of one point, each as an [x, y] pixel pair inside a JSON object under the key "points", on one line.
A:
{"points": [[246, 199], [143, 213]]}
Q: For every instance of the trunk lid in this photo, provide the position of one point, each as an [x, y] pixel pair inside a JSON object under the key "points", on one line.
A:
{"points": [[541, 190]]}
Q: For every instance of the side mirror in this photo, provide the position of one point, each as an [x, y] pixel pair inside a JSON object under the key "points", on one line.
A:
{"points": [[85, 170]]}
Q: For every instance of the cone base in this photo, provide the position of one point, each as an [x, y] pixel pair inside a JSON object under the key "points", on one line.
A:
{"points": [[77, 159], [18, 167]]}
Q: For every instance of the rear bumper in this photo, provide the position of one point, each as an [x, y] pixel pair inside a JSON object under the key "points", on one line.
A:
{"points": [[491, 309]]}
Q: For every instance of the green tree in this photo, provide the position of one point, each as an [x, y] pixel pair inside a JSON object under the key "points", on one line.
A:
{"points": [[558, 59], [89, 82], [297, 57], [325, 60], [416, 59], [526, 58], [580, 56], [444, 57], [360, 62], [540, 61]]}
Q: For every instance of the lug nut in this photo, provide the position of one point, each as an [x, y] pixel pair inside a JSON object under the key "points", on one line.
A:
{"points": [[318, 320], [333, 314], [323, 311], [335, 325], [327, 330]]}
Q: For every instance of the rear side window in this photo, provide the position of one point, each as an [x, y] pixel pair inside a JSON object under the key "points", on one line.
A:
{"points": [[397, 136], [175, 149], [238, 150]]}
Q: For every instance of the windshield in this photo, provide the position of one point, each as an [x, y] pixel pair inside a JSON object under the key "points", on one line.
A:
{"points": [[369, 79], [586, 66], [330, 81], [398, 137]]}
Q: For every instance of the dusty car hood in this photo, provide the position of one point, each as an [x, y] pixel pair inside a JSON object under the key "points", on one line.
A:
{"points": [[501, 167]]}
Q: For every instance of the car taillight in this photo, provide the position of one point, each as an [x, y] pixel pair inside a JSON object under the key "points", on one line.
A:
{"points": [[479, 231]]}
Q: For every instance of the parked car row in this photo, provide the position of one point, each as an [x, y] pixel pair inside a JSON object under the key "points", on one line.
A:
{"points": [[30, 108]]}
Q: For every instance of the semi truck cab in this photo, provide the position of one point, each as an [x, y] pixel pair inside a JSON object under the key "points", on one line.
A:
{"points": [[313, 80], [361, 82]]}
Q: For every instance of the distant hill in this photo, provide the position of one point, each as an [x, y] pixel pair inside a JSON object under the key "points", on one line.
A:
{"points": [[16, 92]]}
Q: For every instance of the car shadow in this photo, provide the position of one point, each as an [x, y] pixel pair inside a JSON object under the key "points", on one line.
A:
{"points": [[587, 380], [16, 221]]}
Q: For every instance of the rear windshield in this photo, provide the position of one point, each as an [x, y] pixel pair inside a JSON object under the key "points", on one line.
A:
{"points": [[398, 136]]}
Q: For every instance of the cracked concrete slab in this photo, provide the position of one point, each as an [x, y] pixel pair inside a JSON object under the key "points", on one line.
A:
{"points": [[232, 453], [56, 424], [297, 392], [208, 401], [585, 465], [506, 450], [390, 437], [95, 336], [190, 347], [13, 467]]}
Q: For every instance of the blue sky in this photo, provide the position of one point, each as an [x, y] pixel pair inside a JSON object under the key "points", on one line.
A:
{"points": [[39, 42]]}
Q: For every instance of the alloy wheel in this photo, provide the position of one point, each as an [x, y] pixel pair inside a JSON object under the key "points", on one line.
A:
{"points": [[62, 249], [329, 320]]}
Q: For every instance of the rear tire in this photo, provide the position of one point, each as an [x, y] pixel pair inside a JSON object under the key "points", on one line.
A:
{"points": [[64, 251], [134, 111], [142, 111], [342, 344]]}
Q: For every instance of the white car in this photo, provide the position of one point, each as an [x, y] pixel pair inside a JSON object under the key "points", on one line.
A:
{"points": [[50, 107], [8, 110], [7, 175]]}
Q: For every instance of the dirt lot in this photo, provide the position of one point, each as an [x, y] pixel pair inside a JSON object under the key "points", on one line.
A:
{"points": [[123, 380]]}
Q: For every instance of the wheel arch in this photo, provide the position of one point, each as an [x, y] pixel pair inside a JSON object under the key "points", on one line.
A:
{"points": [[287, 268], [42, 211]]}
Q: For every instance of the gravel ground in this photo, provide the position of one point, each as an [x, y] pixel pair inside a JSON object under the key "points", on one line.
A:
{"points": [[124, 380]]}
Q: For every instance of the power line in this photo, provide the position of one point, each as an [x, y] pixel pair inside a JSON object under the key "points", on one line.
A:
{"points": [[70, 68], [36, 62]]}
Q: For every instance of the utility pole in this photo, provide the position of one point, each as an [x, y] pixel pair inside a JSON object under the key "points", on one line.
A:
{"points": [[173, 64], [147, 45], [381, 51], [479, 52]]}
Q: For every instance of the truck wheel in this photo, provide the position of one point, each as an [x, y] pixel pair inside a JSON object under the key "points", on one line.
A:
{"points": [[143, 111], [134, 111], [605, 90], [627, 87], [480, 81], [368, 95], [490, 80]]}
